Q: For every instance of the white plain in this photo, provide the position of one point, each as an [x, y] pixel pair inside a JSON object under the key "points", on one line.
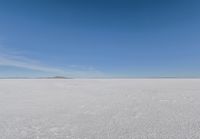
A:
{"points": [[100, 109]]}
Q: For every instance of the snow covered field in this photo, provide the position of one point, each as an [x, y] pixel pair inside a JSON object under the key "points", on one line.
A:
{"points": [[100, 109]]}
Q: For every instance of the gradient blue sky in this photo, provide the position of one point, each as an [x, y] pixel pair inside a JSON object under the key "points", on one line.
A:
{"points": [[100, 38]]}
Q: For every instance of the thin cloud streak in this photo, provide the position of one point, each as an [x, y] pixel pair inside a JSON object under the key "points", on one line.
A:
{"points": [[6, 60], [24, 62]]}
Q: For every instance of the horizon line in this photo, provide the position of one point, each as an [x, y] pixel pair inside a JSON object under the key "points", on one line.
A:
{"points": [[65, 77]]}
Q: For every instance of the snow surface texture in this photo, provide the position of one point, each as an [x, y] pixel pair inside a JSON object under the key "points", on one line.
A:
{"points": [[100, 109]]}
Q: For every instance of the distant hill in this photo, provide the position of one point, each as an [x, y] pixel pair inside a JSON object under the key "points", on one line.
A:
{"points": [[58, 77]]}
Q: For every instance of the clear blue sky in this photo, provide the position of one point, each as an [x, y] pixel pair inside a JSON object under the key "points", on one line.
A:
{"points": [[100, 38]]}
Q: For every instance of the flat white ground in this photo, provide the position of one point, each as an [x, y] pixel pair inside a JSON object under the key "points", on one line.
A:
{"points": [[100, 109]]}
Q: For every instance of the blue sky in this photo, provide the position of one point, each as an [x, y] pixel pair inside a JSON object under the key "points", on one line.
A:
{"points": [[100, 38]]}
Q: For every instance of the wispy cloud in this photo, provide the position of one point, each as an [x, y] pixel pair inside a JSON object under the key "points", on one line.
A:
{"points": [[15, 59], [21, 62]]}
